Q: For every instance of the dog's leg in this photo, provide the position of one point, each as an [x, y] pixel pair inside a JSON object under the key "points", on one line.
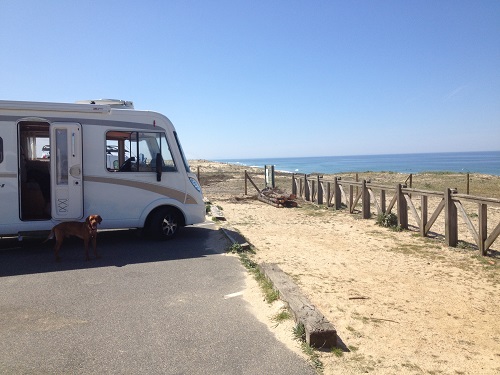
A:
{"points": [[86, 244], [57, 247], [94, 243]]}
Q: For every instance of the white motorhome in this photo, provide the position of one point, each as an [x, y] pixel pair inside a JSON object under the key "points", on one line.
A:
{"points": [[104, 158]]}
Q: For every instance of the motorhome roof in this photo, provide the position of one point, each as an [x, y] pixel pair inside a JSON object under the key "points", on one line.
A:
{"points": [[113, 103], [94, 106], [48, 106]]}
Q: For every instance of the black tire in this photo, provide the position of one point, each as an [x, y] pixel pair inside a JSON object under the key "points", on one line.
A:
{"points": [[165, 224]]}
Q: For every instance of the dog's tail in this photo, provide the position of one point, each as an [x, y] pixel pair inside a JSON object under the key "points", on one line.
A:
{"points": [[51, 236]]}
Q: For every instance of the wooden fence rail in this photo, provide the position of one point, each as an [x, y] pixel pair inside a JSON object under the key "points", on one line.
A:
{"points": [[338, 193]]}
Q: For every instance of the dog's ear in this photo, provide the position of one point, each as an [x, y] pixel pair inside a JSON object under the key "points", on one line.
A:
{"points": [[99, 218], [87, 220]]}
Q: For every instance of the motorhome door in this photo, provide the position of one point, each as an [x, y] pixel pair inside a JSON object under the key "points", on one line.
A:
{"points": [[66, 167]]}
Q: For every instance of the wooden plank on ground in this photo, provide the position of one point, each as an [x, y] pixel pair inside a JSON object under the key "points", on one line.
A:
{"points": [[265, 199], [320, 333]]}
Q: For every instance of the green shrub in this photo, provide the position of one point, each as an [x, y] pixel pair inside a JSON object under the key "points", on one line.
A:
{"points": [[389, 220], [299, 332], [235, 248]]}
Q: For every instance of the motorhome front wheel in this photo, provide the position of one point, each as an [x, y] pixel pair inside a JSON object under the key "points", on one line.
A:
{"points": [[165, 224]]}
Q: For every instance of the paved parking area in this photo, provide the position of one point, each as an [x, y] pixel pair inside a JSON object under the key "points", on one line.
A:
{"points": [[144, 307]]}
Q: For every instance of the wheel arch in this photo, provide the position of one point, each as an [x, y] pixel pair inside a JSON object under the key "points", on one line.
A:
{"points": [[152, 213]]}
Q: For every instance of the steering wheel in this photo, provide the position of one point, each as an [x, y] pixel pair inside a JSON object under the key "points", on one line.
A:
{"points": [[127, 165]]}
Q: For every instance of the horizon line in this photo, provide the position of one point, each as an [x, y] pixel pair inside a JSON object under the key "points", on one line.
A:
{"points": [[328, 156]]}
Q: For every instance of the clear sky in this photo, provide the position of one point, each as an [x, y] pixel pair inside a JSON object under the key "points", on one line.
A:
{"points": [[264, 78]]}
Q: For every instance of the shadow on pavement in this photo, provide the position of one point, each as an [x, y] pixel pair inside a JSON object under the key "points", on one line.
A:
{"points": [[115, 248]]}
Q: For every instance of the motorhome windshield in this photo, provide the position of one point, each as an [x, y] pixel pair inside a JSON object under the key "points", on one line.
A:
{"points": [[184, 160]]}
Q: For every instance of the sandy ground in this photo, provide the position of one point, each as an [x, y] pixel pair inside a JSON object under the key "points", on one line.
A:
{"points": [[401, 304]]}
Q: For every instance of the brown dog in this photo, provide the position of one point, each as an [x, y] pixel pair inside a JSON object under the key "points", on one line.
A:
{"points": [[86, 231]]}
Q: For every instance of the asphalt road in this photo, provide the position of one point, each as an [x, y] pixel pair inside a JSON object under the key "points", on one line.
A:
{"points": [[143, 307]]}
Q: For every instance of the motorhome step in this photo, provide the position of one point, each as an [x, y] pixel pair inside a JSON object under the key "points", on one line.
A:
{"points": [[33, 234]]}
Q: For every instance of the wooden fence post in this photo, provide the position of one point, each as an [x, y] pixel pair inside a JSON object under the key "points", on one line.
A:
{"points": [[294, 185], [307, 191], [382, 201], [423, 215], [320, 191], [366, 200], [483, 228], [357, 188], [411, 182], [402, 208], [246, 188], [198, 173], [336, 194], [328, 194], [450, 219], [351, 199]]}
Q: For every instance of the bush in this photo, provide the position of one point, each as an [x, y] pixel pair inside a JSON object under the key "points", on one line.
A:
{"points": [[387, 220]]}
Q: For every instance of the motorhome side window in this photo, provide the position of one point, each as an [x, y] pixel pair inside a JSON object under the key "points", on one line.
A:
{"points": [[136, 152]]}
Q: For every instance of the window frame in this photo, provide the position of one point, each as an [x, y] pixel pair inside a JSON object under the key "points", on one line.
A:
{"points": [[131, 143]]}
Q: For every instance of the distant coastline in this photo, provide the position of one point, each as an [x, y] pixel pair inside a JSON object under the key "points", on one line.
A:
{"points": [[483, 162]]}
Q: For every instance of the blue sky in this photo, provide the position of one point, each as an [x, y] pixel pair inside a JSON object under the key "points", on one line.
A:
{"points": [[242, 79]]}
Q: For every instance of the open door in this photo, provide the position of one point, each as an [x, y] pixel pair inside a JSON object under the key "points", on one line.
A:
{"points": [[66, 167]]}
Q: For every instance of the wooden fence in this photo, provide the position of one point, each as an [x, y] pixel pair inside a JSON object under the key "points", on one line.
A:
{"points": [[338, 193]]}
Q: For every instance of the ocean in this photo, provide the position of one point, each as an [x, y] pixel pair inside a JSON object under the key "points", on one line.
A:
{"points": [[487, 162]]}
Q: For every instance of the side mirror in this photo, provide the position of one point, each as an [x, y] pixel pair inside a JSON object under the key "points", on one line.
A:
{"points": [[159, 163]]}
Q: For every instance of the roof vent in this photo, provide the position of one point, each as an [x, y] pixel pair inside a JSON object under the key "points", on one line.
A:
{"points": [[113, 103]]}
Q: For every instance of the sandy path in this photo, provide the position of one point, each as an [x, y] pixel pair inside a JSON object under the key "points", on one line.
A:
{"points": [[400, 303]]}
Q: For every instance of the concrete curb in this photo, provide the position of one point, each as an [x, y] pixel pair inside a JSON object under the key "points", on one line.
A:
{"points": [[236, 238]]}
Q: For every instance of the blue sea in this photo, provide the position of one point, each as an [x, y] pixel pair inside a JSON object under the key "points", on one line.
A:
{"points": [[462, 162]]}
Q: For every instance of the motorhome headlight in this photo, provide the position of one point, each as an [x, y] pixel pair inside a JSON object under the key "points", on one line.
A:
{"points": [[195, 184]]}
